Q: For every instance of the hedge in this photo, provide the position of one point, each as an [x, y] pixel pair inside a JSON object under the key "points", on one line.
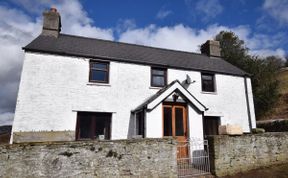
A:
{"points": [[274, 126]]}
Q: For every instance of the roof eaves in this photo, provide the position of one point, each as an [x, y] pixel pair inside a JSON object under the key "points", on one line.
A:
{"points": [[27, 49]]}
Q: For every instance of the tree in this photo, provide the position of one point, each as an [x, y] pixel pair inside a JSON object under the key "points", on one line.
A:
{"points": [[263, 70], [232, 48]]}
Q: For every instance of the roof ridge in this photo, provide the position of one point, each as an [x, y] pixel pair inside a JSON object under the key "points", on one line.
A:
{"points": [[131, 44]]}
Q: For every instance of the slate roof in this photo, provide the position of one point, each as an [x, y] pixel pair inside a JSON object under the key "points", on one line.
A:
{"points": [[124, 52]]}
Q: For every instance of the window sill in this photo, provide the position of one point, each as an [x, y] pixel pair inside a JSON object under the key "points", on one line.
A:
{"points": [[99, 84], [207, 92], [155, 88]]}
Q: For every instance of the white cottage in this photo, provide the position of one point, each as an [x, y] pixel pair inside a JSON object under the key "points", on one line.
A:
{"points": [[75, 88]]}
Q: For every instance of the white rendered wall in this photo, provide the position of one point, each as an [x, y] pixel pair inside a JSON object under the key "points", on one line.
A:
{"points": [[154, 123], [229, 100], [53, 88], [195, 124]]}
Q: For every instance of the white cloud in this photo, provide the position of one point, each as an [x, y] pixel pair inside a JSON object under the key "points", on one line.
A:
{"points": [[6, 118], [77, 22], [210, 8], [277, 9], [185, 38], [163, 13], [124, 25], [205, 9], [279, 52]]}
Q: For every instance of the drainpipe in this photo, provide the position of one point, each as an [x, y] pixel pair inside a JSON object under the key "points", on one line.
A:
{"points": [[248, 104]]}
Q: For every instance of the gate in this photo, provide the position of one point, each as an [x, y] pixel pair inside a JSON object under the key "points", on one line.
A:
{"points": [[193, 158]]}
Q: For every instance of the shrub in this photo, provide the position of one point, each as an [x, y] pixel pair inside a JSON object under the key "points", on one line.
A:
{"points": [[274, 126]]}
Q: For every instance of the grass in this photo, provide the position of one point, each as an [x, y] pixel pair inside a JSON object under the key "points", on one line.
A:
{"points": [[283, 78], [280, 110]]}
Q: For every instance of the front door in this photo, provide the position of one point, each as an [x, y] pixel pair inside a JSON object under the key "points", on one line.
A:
{"points": [[175, 124]]}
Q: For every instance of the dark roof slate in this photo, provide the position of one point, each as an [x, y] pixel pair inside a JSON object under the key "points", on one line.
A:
{"points": [[123, 52]]}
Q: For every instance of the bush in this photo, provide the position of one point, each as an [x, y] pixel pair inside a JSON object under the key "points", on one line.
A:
{"points": [[274, 126]]}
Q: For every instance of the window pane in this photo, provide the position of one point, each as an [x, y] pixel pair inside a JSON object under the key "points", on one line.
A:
{"points": [[208, 83], [208, 86], [158, 71], [98, 75], [179, 122], [211, 125], [158, 81], [85, 126], [207, 77], [99, 65], [102, 125], [167, 121], [140, 124]]}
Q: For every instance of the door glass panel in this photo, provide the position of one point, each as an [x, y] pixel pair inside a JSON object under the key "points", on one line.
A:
{"points": [[102, 126], [85, 126], [179, 126], [99, 75], [167, 121], [158, 81]]}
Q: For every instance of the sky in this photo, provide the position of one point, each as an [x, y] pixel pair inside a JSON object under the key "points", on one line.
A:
{"points": [[173, 24]]}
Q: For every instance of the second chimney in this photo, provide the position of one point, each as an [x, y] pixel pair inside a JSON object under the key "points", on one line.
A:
{"points": [[211, 48], [51, 23]]}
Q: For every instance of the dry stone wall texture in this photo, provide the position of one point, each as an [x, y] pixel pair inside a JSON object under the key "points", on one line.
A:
{"points": [[233, 154], [119, 158]]}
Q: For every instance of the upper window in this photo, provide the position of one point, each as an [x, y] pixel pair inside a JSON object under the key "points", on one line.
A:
{"points": [[158, 77], [208, 82], [99, 72]]}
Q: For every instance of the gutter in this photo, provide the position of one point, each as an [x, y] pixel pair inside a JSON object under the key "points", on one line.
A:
{"points": [[248, 104]]}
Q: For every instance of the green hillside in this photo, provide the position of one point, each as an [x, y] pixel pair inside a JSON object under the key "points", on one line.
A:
{"points": [[280, 110]]}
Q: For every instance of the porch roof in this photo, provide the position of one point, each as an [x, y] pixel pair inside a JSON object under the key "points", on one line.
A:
{"points": [[165, 92]]}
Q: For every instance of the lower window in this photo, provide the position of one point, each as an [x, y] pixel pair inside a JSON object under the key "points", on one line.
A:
{"points": [[211, 125], [93, 126], [140, 124]]}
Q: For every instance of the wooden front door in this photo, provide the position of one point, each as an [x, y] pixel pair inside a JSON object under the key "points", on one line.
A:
{"points": [[175, 124]]}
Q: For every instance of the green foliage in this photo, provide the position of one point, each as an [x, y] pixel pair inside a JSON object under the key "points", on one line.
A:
{"points": [[263, 70], [274, 126], [232, 48]]}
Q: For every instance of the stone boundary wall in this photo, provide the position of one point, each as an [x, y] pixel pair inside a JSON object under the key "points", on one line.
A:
{"points": [[119, 158], [233, 154]]}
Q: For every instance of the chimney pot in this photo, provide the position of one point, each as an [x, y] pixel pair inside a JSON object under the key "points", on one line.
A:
{"points": [[53, 9], [51, 23], [211, 48]]}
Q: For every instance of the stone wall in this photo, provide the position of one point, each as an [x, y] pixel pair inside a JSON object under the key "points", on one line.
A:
{"points": [[233, 154], [121, 158]]}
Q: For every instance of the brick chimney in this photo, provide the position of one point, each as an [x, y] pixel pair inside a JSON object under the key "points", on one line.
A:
{"points": [[51, 23], [211, 48]]}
